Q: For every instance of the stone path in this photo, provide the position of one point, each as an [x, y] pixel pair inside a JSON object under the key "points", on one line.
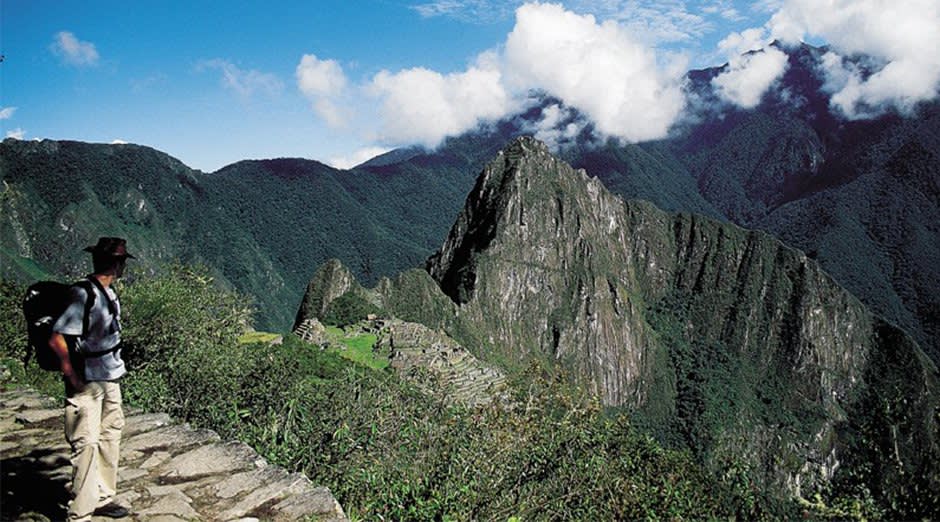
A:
{"points": [[169, 472]]}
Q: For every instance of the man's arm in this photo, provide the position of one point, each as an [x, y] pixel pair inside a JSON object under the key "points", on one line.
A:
{"points": [[61, 348]]}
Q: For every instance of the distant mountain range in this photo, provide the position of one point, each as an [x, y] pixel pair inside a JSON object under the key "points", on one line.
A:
{"points": [[861, 197]]}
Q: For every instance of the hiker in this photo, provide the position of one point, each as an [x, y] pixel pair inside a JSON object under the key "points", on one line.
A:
{"points": [[87, 340]]}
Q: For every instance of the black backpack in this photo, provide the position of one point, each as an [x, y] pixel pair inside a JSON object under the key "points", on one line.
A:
{"points": [[43, 303]]}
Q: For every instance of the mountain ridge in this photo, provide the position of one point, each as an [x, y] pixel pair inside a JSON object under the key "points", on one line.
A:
{"points": [[791, 166]]}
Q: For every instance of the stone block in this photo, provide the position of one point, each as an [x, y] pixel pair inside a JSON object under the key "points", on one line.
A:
{"points": [[166, 518], [26, 400], [314, 502], [129, 474], [156, 459], [211, 459], [177, 437], [141, 423], [248, 480], [175, 503], [36, 416], [160, 491], [285, 487]]}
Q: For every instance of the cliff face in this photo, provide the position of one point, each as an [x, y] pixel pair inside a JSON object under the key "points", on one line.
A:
{"points": [[537, 261], [715, 338]]}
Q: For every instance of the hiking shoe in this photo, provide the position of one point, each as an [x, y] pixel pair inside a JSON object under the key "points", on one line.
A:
{"points": [[112, 510]]}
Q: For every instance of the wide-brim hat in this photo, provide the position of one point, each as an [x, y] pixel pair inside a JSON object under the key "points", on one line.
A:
{"points": [[110, 246]]}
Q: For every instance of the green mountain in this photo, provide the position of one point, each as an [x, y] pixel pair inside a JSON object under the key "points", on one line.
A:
{"points": [[718, 339], [261, 226]]}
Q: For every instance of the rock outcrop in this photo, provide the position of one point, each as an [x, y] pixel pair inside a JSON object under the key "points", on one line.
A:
{"points": [[168, 471], [312, 331]]}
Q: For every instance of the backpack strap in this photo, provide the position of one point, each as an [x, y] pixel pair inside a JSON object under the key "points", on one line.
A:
{"points": [[88, 286]]}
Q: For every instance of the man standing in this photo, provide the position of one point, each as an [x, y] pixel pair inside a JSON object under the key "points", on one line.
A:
{"points": [[87, 339]]}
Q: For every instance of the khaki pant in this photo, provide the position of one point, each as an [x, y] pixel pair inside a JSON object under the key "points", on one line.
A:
{"points": [[93, 423]]}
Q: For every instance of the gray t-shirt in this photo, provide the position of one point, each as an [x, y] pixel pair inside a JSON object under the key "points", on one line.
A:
{"points": [[103, 335]]}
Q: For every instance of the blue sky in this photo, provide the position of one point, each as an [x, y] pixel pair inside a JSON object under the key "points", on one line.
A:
{"points": [[215, 82]]}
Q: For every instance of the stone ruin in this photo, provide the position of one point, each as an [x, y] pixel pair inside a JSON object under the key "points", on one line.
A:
{"points": [[312, 331], [417, 353]]}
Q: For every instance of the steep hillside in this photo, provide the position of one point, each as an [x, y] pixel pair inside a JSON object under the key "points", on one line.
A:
{"points": [[59, 196], [719, 339], [859, 196]]}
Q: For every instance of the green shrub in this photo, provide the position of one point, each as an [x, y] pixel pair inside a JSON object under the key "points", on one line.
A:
{"points": [[349, 309]]}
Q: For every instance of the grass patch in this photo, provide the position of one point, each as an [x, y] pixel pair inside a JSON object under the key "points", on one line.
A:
{"points": [[359, 350], [255, 337], [358, 347]]}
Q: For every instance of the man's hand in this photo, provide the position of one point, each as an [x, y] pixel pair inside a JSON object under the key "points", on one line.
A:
{"points": [[61, 348], [77, 383]]}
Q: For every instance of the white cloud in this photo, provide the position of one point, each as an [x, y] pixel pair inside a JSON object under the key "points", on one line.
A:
{"points": [[7, 112], [357, 158], [903, 35], [323, 82], [440, 8], [739, 43], [596, 68], [650, 22], [316, 77], [17, 134], [422, 106], [74, 51], [749, 76], [118, 142], [245, 82]]}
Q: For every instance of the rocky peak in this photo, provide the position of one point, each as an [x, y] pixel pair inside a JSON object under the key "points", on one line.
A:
{"points": [[720, 336], [524, 182]]}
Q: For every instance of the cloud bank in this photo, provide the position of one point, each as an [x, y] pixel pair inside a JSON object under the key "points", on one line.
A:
{"points": [[749, 76], [74, 51], [17, 133], [357, 158], [612, 72], [903, 35], [423, 106], [596, 68]]}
